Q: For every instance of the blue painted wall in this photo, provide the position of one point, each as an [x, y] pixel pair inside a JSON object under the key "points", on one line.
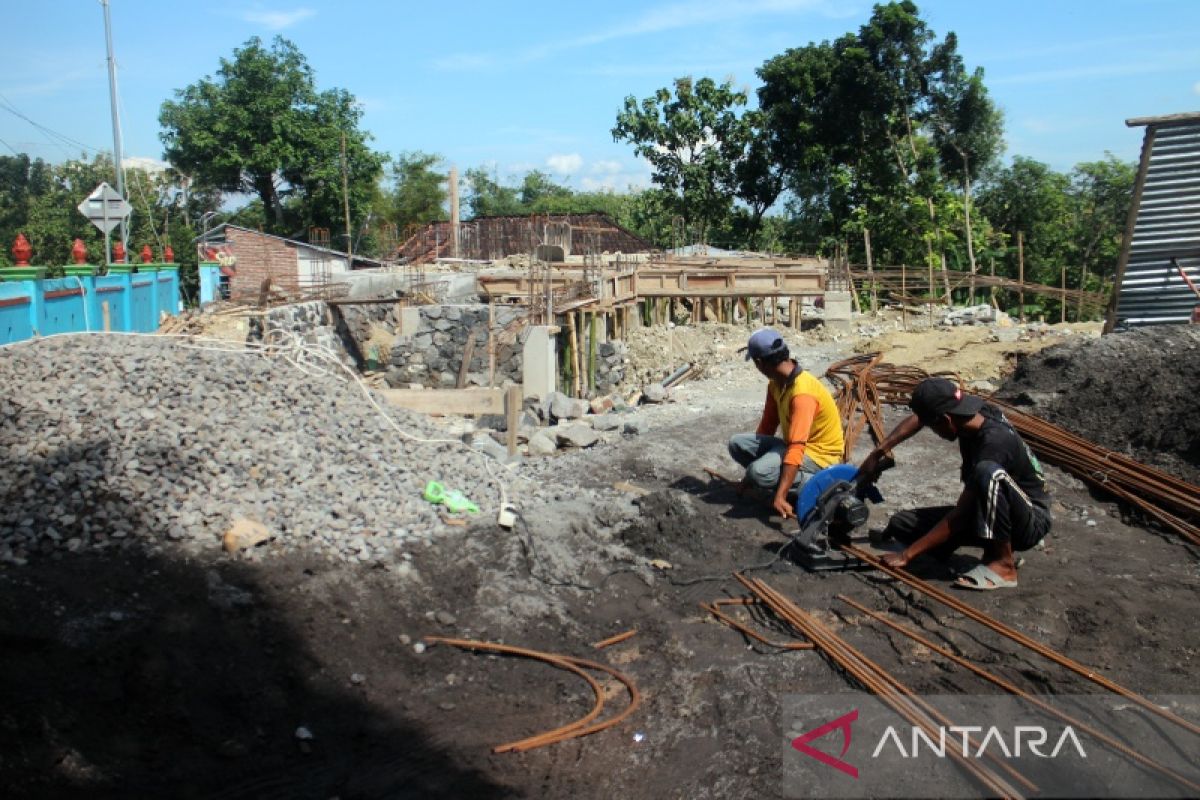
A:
{"points": [[16, 310], [31, 308], [210, 281]]}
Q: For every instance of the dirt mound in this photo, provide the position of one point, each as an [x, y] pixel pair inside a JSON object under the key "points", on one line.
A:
{"points": [[1133, 392]]}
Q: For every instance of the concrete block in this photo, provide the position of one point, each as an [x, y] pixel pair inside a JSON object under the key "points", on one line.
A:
{"points": [[540, 374]]}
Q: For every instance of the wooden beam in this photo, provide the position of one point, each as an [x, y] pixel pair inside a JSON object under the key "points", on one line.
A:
{"points": [[513, 401], [447, 401]]}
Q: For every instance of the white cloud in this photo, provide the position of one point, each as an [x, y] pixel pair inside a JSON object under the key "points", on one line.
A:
{"points": [[51, 85], [278, 20], [616, 182], [674, 16], [1196, 87], [609, 167], [565, 163]]}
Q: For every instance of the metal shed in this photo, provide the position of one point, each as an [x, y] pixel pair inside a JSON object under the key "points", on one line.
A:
{"points": [[1158, 273]]}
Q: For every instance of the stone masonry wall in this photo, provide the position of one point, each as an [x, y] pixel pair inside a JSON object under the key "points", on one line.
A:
{"points": [[311, 322], [432, 356]]}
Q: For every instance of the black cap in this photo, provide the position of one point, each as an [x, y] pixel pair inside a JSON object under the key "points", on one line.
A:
{"points": [[934, 397]]}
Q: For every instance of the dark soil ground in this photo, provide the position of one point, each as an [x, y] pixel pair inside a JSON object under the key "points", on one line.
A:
{"points": [[131, 677], [1134, 392]]}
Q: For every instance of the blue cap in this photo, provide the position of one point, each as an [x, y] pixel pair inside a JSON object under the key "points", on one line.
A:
{"points": [[764, 342]]}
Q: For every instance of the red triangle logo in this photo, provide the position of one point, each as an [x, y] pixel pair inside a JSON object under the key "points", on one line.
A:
{"points": [[842, 723]]}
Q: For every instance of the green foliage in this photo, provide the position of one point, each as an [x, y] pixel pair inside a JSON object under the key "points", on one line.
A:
{"points": [[40, 200], [418, 193], [262, 128], [487, 197], [693, 139]]}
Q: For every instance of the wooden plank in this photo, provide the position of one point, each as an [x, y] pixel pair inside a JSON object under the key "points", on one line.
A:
{"points": [[107, 314], [513, 400], [447, 401], [468, 354]]}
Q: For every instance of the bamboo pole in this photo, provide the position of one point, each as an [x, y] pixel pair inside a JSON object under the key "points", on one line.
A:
{"points": [[580, 375], [573, 351], [903, 295], [871, 271], [1062, 315], [491, 345], [592, 354], [1021, 272], [929, 263]]}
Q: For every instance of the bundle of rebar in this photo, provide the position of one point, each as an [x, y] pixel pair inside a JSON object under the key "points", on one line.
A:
{"points": [[967, 610], [863, 383], [882, 684]]}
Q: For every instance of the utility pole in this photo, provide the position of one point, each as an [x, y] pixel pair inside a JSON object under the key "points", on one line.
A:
{"points": [[346, 207], [116, 119]]}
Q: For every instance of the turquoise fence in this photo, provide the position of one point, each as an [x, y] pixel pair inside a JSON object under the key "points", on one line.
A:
{"points": [[120, 301]]}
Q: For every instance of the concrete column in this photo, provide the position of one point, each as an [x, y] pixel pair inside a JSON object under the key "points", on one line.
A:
{"points": [[838, 311], [540, 371]]}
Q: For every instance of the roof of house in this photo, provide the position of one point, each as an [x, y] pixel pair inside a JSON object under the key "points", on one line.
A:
{"points": [[218, 233]]}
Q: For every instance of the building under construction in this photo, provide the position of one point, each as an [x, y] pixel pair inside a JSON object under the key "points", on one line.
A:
{"points": [[490, 238]]}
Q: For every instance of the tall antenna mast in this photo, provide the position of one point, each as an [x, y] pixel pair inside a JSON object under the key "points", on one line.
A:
{"points": [[116, 119]]}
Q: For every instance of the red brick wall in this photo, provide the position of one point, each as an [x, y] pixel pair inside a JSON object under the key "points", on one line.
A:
{"points": [[260, 257]]}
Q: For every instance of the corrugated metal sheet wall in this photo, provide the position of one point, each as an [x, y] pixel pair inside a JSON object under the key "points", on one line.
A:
{"points": [[1168, 226]]}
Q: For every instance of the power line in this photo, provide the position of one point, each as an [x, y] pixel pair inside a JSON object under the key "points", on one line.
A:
{"points": [[10, 147], [7, 105]]}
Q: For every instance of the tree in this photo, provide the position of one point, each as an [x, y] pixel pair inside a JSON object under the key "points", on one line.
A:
{"points": [[262, 128], [1101, 192], [539, 192], [487, 197], [758, 175], [692, 140], [967, 127], [418, 192], [1030, 198]]}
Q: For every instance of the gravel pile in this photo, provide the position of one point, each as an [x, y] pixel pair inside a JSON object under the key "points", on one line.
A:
{"points": [[108, 441]]}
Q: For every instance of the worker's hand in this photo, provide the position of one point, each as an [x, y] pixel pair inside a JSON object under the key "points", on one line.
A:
{"points": [[871, 466], [782, 507], [896, 560]]}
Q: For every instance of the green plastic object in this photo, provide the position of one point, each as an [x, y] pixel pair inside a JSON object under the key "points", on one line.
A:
{"points": [[457, 502], [454, 501]]}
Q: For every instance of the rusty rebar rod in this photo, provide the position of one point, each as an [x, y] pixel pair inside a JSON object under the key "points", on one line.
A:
{"points": [[1018, 637], [579, 727], [549, 658], [873, 678], [1015, 690], [620, 637], [714, 609]]}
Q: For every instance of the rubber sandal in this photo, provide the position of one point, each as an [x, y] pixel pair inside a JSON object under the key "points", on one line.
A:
{"points": [[983, 579]]}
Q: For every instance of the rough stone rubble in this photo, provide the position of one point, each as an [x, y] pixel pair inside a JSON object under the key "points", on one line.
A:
{"points": [[112, 440]]}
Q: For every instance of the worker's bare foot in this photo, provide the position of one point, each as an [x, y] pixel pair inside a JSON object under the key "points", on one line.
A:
{"points": [[1005, 568]]}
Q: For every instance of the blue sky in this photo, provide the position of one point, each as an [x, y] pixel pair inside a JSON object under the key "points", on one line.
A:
{"points": [[522, 85]]}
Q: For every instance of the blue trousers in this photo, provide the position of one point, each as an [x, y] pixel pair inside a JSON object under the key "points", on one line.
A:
{"points": [[762, 456]]}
